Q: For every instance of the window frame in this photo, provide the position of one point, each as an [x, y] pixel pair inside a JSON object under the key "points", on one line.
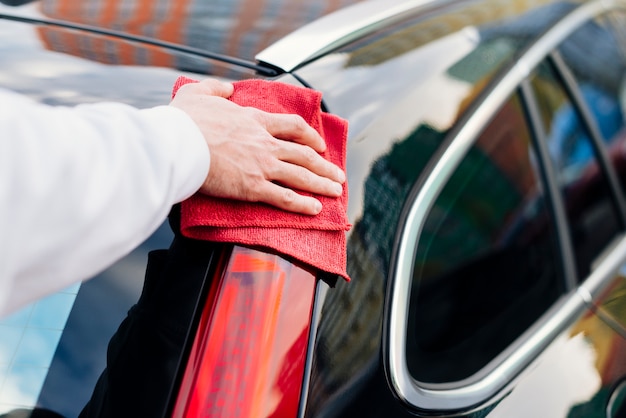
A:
{"points": [[562, 279], [570, 87], [549, 179], [498, 373]]}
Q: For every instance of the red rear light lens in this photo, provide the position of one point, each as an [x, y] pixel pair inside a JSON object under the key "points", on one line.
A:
{"points": [[249, 353]]}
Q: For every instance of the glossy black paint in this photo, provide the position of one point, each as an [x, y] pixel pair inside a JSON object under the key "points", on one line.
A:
{"points": [[405, 90], [449, 57]]}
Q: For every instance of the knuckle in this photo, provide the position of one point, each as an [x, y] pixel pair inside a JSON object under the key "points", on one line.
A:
{"points": [[256, 114], [299, 124], [289, 198], [310, 156], [266, 163], [308, 178], [253, 192], [272, 145]]}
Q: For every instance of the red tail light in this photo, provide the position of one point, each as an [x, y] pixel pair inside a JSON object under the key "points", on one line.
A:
{"points": [[249, 353]]}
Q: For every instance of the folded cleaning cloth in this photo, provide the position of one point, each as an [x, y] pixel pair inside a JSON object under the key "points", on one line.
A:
{"points": [[318, 241]]}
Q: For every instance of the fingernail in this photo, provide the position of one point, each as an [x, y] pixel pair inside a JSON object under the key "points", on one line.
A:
{"points": [[341, 175], [318, 207], [338, 189]]}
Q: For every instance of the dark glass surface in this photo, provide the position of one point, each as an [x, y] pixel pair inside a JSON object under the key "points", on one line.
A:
{"points": [[591, 212], [487, 265]]}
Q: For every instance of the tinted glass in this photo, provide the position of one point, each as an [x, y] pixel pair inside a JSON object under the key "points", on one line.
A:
{"points": [[591, 213], [487, 264], [599, 69]]}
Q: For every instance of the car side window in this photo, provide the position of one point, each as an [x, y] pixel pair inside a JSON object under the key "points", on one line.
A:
{"points": [[591, 213], [487, 263]]}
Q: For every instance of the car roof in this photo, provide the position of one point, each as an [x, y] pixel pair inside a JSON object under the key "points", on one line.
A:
{"points": [[337, 29], [281, 48], [229, 33]]}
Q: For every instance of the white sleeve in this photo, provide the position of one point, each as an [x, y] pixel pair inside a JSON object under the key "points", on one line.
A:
{"points": [[81, 187]]}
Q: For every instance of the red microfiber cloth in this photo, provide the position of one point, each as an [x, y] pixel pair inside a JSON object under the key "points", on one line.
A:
{"points": [[318, 241]]}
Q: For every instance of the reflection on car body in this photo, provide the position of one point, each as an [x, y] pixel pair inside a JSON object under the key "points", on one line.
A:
{"points": [[486, 172]]}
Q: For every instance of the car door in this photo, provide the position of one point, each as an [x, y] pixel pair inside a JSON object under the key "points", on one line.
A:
{"points": [[560, 353], [465, 224]]}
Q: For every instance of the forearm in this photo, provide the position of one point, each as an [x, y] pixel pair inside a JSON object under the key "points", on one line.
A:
{"points": [[82, 187]]}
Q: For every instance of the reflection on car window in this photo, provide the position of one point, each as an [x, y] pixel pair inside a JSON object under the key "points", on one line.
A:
{"points": [[600, 71], [592, 217], [52, 352], [28, 341], [487, 264]]}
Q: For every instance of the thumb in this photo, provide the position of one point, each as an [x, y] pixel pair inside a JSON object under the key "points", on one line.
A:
{"points": [[214, 87]]}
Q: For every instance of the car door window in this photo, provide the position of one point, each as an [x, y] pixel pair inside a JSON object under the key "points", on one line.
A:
{"points": [[591, 213], [487, 263]]}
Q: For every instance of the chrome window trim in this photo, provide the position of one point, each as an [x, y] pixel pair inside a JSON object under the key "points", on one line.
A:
{"points": [[613, 407], [463, 394], [336, 29], [608, 265], [553, 191]]}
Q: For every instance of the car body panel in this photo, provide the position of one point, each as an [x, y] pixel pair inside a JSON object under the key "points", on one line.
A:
{"points": [[415, 78], [572, 377], [395, 111]]}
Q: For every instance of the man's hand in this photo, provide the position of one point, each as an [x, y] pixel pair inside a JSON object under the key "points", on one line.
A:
{"points": [[258, 156]]}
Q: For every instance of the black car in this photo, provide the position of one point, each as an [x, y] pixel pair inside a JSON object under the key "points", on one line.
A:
{"points": [[486, 165]]}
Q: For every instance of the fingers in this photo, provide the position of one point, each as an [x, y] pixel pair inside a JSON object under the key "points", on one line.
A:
{"points": [[289, 200], [292, 128], [209, 86], [304, 156], [259, 156], [216, 88], [296, 177], [307, 170]]}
